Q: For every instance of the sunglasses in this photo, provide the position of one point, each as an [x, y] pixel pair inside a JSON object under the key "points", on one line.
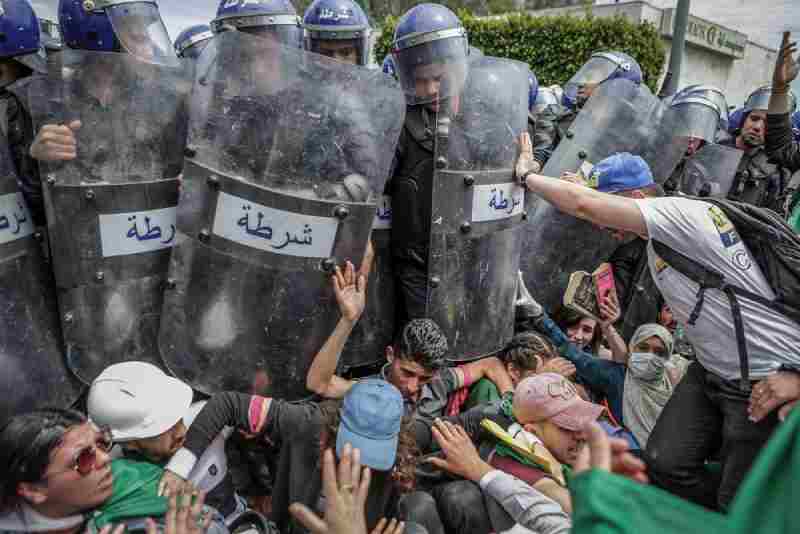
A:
{"points": [[85, 460]]}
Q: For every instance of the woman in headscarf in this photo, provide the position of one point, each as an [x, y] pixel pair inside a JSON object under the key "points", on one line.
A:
{"points": [[648, 382]]}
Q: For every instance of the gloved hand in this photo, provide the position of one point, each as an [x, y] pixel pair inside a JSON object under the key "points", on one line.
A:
{"points": [[526, 307]]}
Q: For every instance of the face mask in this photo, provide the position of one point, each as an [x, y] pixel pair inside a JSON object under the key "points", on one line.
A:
{"points": [[646, 366]]}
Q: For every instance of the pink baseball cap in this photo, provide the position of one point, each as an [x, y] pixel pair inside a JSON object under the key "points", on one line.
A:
{"points": [[551, 397]]}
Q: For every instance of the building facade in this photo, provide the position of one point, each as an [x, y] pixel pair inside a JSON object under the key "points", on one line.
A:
{"points": [[715, 54]]}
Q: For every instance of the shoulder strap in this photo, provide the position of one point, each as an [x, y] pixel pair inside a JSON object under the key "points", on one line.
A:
{"points": [[708, 278]]}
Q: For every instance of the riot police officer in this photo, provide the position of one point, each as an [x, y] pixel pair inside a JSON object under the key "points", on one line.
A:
{"points": [[31, 355], [758, 181], [275, 19], [430, 52], [112, 117], [21, 57], [387, 66], [601, 67], [540, 127], [338, 29], [703, 111], [191, 42]]}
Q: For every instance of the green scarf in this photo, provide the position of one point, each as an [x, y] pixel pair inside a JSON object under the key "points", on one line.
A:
{"points": [[135, 494]]}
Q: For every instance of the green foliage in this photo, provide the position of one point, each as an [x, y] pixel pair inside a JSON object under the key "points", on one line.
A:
{"points": [[557, 46]]}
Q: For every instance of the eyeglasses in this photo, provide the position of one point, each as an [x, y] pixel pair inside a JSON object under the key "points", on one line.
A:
{"points": [[85, 460]]}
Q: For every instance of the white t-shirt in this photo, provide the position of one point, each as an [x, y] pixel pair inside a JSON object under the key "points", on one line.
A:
{"points": [[701, 231]]}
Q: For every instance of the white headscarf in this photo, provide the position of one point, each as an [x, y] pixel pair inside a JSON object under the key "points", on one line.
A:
{"points": [[647, 386]]}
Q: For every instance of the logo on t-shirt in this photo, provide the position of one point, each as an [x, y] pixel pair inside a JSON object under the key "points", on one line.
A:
{"points": [[741, 259], [727, 232], [212, 470], [660, 264]]}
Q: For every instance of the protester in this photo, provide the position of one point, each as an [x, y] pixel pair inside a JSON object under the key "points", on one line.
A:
{"points": [[527, 354], [635, 389], [524, 503], [416, 364], [346, 496], [58, 474], [369, 418], [709, 407], [147, 413], [781, 145], [545, 409]]}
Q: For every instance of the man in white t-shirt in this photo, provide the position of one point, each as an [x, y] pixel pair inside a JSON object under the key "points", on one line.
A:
{"points": [[708, 412]]}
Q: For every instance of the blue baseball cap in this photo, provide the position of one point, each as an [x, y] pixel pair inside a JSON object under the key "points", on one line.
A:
{"points": [[370, 421], [621, 172]]}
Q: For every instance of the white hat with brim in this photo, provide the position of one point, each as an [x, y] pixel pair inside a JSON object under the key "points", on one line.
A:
{"points": [[137, 400]]}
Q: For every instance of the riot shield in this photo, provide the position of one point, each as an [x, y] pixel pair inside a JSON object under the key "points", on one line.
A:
{"points": [[619, 117], [111, 211], [373, 332], [710, 172], [288, 154], [34, 370], [477, 209]]}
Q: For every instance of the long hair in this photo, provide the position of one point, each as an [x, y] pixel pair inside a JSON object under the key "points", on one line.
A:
{"points": [[404, 469], [27, 443], [566, 318]]}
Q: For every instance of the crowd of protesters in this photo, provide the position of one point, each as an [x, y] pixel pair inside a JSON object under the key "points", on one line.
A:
{"points": [[679, 417]]}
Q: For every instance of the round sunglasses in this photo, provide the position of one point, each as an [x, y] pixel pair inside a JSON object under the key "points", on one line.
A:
{"points": [[85, 461]]}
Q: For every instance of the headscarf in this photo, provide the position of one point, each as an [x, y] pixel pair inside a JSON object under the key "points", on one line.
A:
{"points": [[647, 386]]}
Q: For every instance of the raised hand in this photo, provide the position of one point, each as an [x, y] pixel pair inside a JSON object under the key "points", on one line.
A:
{"points": [[351, 292]]}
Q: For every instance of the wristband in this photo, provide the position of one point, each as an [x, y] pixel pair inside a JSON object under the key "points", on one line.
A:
{"points": [[524, 178]]}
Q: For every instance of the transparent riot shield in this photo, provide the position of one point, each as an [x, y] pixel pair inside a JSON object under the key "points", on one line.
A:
{"points": [[477, 209], [287, 157], [111, 211], [619, 117], [34, 368], [710, 172]]}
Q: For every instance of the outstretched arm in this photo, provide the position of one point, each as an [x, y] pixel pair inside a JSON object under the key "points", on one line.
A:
{"points": [[350, 290], [602, 209], [779, 141]]}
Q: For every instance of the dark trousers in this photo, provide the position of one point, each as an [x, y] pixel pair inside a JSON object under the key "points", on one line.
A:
{"points": [[705, 417], [411, 284]]}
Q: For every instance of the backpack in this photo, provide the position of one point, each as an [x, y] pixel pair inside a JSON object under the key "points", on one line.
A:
{"points": [[776, 249]]}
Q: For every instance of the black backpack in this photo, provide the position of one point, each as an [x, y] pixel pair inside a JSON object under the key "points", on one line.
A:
{"points": [[776, 249]]}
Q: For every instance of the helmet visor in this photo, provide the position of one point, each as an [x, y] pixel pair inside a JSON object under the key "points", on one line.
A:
{"points": [[433, 70], [141, 32], [193, 51], [594, 72], [544, 99], [344, 50], [289, 35], [697, 119]]}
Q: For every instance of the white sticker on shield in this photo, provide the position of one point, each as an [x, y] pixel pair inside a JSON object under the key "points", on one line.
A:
{"points": [[495, 202], [15, 220], [273, 230], [137, 232]]}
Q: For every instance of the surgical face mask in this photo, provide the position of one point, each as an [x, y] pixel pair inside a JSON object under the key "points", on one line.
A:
{"points": [[646, 366]]}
